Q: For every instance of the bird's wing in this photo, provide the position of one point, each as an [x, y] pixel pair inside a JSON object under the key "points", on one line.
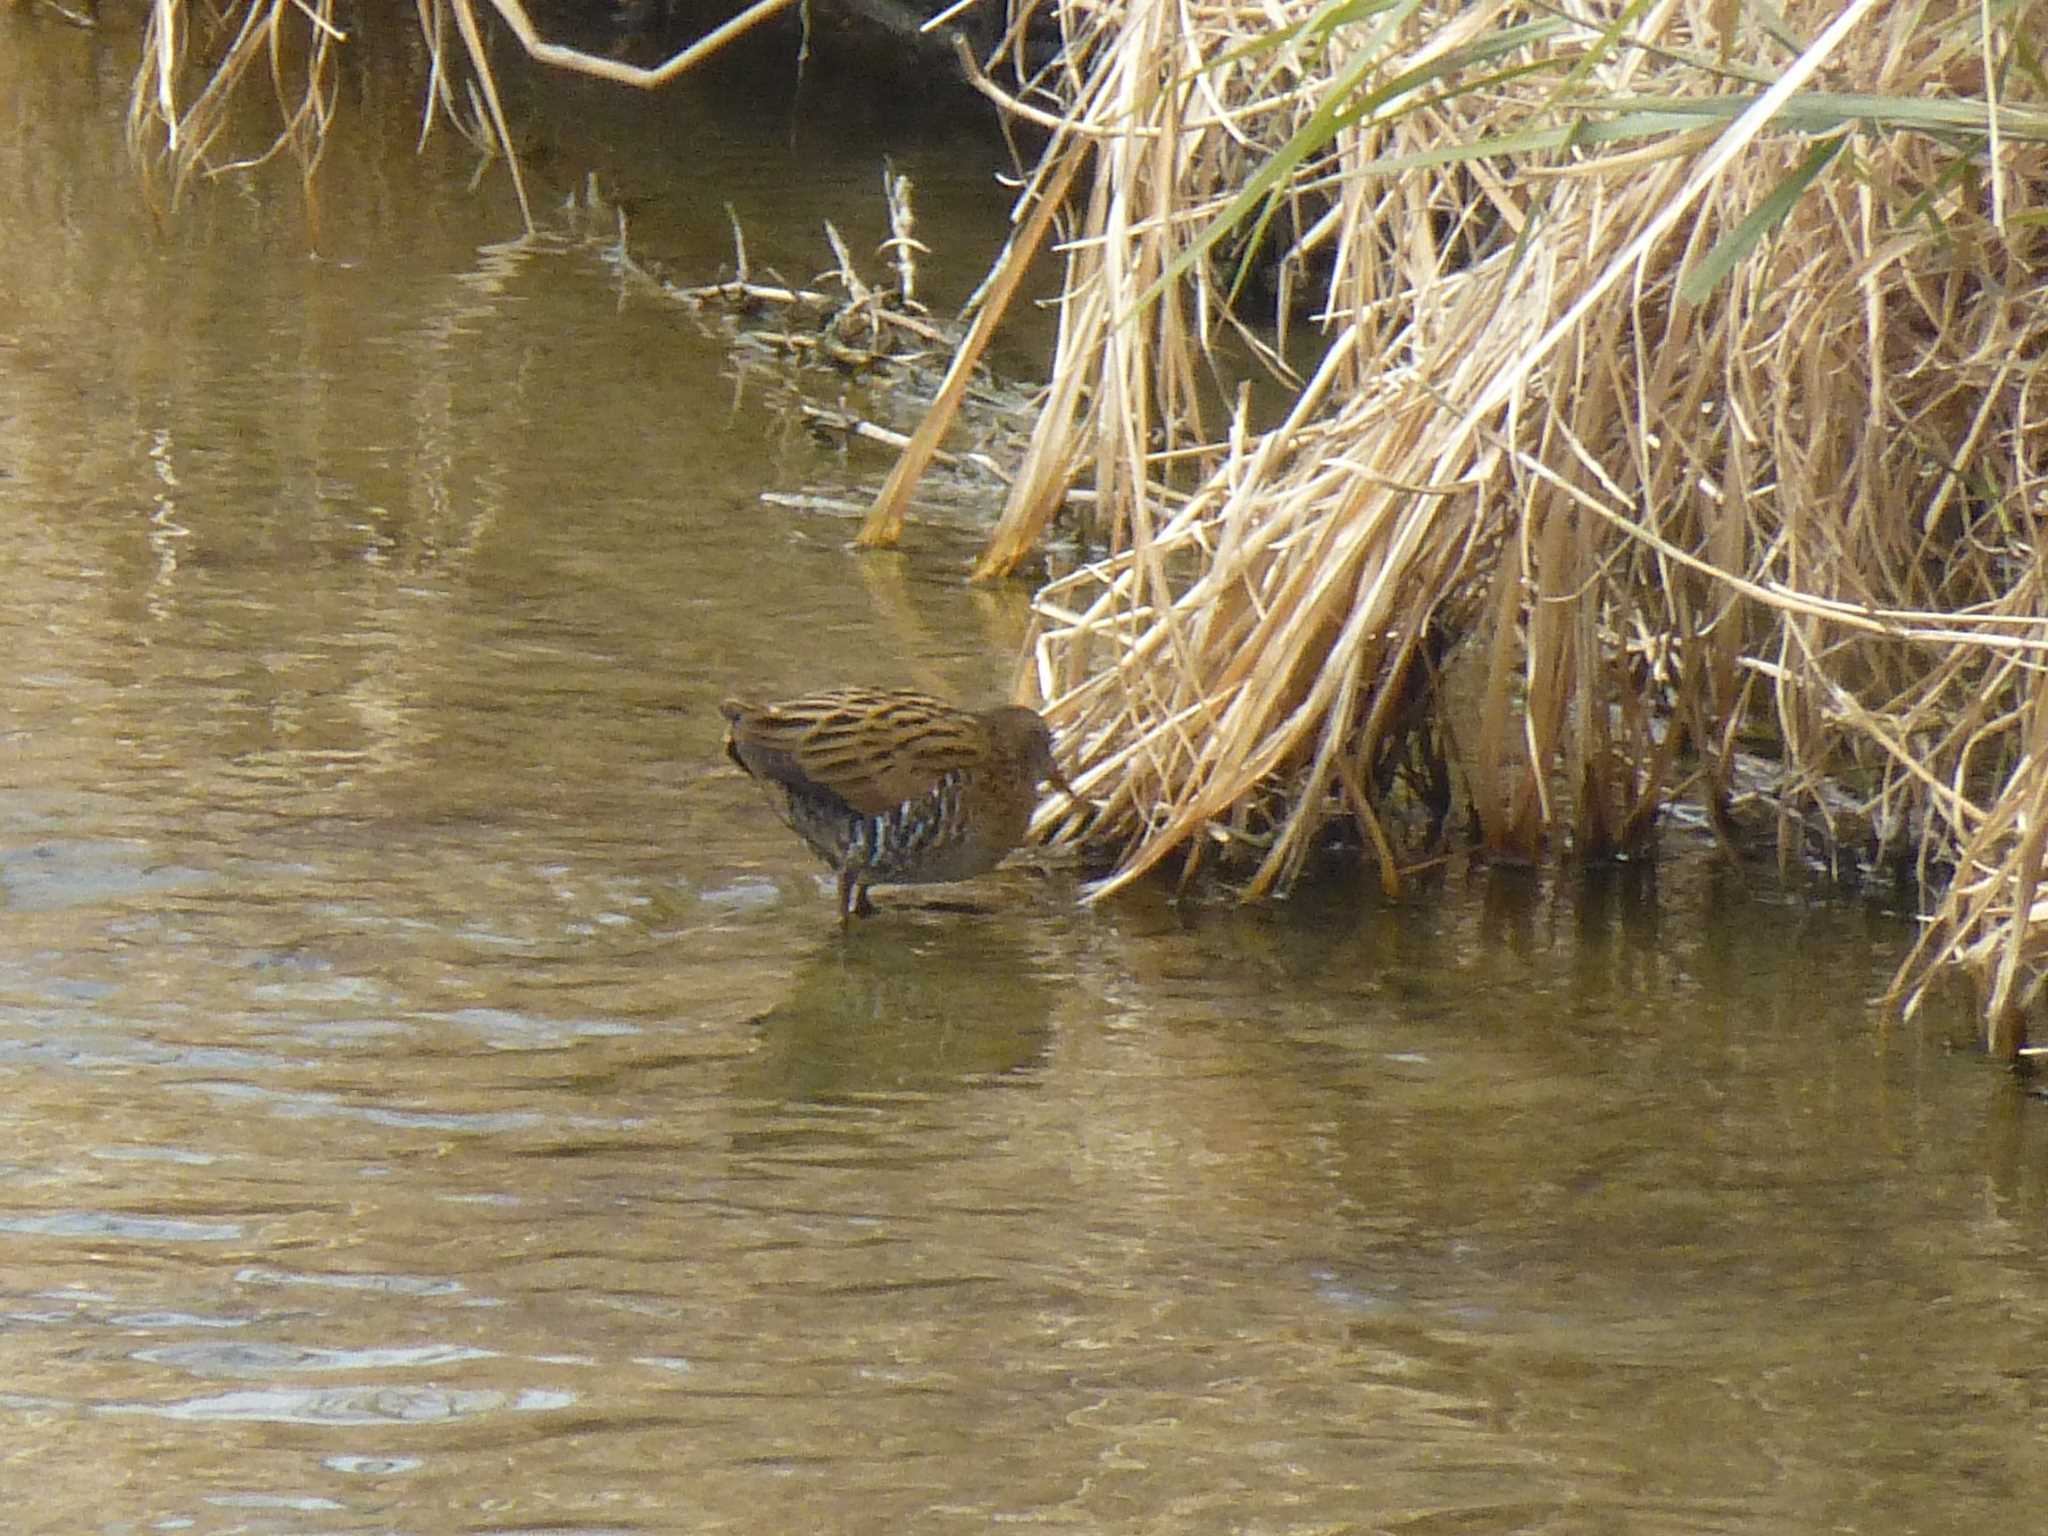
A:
{"points": [[874, 749]]}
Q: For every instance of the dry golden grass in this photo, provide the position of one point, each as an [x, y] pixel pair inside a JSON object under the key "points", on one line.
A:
{"points": [[1686, 373]]}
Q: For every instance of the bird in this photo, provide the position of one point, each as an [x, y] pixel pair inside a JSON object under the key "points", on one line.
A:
{"points": [[892, 787]]}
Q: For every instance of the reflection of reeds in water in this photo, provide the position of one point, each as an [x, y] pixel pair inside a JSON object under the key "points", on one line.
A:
{"points": [[294, 41], [904, 1006], [293, 44]]}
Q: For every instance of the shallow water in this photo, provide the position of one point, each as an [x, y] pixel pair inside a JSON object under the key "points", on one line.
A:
{"points": [[437, 1097]]}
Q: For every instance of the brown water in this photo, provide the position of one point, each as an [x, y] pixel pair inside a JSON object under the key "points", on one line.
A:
{"points": [[436, 1096]]}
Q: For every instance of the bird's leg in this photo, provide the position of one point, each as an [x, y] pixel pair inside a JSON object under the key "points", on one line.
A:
{"points": [[853, 893]]}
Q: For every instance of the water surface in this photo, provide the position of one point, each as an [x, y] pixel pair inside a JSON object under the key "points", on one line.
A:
{"points": [[438, 1098]]}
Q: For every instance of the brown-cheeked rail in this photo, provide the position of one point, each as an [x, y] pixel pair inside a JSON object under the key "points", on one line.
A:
{"points": [[895, 788]]}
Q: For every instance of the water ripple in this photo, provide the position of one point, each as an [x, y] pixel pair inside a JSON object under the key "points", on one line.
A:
{"points": [[115, 1224], [154, 1154], [348, 1405], [372, 1466], [308, 1105], [506, 1030], [71, 872], [211, 1357], [302, 1503], [47, 1040], [399, 1285]]}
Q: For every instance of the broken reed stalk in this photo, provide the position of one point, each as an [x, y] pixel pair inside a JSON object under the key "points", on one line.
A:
{"points": [[1677, 436], [884, 523]]}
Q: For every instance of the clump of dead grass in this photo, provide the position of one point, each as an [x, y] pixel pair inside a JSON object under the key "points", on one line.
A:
{"points": [[1683, 376]]}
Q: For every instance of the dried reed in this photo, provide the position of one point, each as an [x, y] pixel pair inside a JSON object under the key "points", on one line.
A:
{"points": [[1681, 397]]}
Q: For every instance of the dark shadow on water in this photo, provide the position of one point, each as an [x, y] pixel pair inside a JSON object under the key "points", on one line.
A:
{"points": [[912, 1000]]}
